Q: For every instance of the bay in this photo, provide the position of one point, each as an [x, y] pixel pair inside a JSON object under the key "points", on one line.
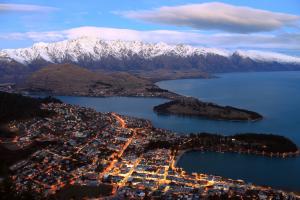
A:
{"points": [[275, 172]]}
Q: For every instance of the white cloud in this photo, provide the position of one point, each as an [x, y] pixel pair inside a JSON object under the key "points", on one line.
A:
{"points": [[216, 16], [7, 7], [250, 41]]}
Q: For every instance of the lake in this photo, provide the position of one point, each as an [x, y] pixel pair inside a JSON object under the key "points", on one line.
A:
{"points": [[275, 95]]}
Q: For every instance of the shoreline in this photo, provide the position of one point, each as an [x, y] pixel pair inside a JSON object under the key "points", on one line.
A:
{"points": [[179, 155]]}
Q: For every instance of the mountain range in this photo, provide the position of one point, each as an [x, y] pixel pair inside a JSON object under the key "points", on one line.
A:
{"points": [[136, 57]]}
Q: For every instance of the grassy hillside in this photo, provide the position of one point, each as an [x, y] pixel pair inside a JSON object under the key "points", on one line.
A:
{"points": [[71, 79]]}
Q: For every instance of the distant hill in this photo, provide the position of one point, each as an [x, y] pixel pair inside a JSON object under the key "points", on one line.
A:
{"points": [[69, 79], [137, 57]]}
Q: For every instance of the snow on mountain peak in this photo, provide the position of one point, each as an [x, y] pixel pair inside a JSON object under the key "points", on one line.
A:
{"points": [[95, 49], [266, 56]]}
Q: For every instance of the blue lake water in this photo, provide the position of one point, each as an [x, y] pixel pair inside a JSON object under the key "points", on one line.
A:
{"points": [[276, 95]]}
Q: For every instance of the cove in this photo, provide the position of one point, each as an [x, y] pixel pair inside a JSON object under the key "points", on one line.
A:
{"points": [[275, 172]]}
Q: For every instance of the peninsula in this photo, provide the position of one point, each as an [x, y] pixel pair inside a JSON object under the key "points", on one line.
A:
{"points": [[189, 106]]}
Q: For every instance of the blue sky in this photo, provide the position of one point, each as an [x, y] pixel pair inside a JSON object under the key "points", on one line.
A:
{"points": [[24, 22]]}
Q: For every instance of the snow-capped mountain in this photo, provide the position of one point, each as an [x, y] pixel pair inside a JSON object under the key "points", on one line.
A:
{"points": [[97, 54], [97, 49]]}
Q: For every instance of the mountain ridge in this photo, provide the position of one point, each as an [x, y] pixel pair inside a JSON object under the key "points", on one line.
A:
{"points": [[135, 56], [98, 48]]}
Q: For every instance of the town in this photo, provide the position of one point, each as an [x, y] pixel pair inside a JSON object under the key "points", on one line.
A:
{"points": [[120, 157]]}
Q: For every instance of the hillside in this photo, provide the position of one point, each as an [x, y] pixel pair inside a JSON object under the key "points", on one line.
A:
{"points": [[137, 57], [68, 79], [15, 106]]}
